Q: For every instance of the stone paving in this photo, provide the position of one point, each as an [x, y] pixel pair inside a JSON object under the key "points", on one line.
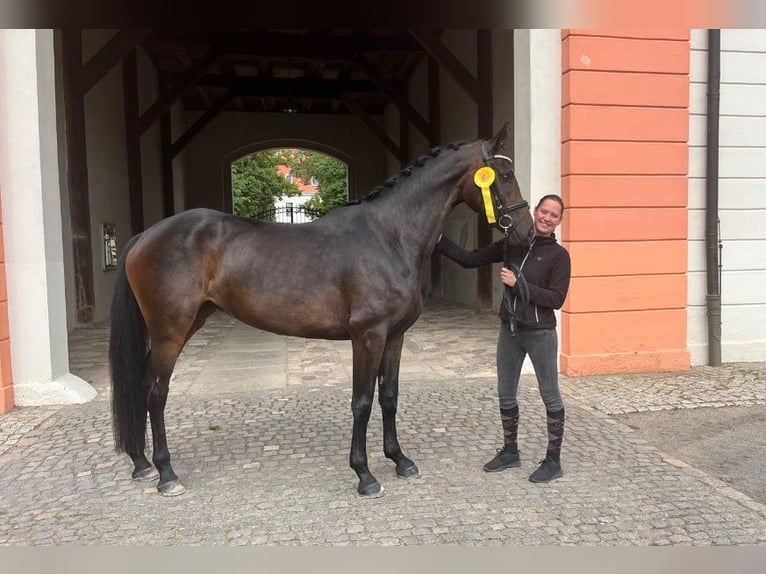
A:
{"points": [[260, 425], [733, 385]]}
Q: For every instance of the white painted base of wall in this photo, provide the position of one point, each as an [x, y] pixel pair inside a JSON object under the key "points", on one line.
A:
{"points": [[698, 355], [68, 389], [747, 352]]}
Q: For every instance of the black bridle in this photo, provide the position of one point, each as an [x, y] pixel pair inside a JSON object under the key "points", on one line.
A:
{"points": [[505, 222], [502, 212]]}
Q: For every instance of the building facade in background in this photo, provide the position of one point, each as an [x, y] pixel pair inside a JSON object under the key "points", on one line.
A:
{"points": [[615, 122], [292, 209]]}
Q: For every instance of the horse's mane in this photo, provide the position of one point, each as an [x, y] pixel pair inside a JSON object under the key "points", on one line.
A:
{"points": [[407, 171]]}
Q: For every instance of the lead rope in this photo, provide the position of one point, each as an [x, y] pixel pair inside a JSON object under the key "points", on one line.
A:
{"points": [[508, 299], [507, 292]]}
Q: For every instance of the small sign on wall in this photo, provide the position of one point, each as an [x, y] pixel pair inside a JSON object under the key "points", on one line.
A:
{"points": [[108, 246]]}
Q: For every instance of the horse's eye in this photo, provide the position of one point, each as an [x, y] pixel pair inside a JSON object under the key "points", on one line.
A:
{"points": [[506, 176]]}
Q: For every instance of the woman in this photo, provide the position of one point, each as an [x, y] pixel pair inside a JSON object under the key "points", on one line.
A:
{"points": [[527, 329]]}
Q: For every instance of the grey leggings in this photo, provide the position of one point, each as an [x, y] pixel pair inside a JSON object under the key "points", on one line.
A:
{"points": [[542, 347]]}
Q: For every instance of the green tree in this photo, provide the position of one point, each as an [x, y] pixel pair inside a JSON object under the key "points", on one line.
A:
{"points": [[330, 173], [256, 183]]}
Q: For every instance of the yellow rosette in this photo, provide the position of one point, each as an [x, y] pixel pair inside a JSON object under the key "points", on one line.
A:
{"points": [[484, 177]]}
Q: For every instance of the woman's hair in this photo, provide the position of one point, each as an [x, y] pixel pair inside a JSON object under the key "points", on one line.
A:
{"points": [[555, 198]]}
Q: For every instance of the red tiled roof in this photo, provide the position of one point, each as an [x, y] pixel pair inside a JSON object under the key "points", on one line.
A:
{"points": [[282, 170]]}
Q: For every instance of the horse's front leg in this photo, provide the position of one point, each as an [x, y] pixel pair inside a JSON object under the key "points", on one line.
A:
{"points": [[367, 351], [388, 394]]}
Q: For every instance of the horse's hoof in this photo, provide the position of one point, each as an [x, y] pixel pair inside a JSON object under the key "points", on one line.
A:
{"points": [[145, 474], [368, 487], [409, 471], [372, 490], [173, 488]]}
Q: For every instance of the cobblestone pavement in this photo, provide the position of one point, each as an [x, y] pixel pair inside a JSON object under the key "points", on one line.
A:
{"points": [[260, 425]]}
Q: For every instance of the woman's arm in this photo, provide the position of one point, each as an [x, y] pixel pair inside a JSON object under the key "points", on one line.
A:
{"points": [[558, 284], [468, 259]]}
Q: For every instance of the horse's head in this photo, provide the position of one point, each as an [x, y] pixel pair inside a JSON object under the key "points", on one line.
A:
{"points": [[494, 191]]}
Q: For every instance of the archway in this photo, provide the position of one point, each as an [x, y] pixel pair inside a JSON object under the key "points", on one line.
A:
{"points": [[286, 143]]}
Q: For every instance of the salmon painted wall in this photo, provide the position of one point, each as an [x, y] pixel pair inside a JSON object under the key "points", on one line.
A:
{"points": [[6, 374], [625, 157]]}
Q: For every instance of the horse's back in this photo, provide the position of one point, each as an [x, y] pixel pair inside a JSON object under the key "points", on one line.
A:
{"points": [[316, 280], [282, 278]]}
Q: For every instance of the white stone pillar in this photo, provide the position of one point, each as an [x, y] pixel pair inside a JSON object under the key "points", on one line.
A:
{"points": [[537, 119], [29, 187], [537, 111]]}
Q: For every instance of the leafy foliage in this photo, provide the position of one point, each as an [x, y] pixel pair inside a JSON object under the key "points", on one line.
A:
{"points": [[256, 183], [331, 175]]}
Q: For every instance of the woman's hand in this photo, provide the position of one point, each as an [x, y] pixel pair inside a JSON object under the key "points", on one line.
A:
{"points": [[507, 277]]}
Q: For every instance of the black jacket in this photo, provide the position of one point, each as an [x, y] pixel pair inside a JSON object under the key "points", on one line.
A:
{"points": [[545, 264]]}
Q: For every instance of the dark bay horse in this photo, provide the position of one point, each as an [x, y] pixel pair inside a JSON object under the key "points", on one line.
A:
{"points": [[357, 273]]}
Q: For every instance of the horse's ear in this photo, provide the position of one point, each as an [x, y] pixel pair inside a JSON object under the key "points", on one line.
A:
{"points": [[498, 142]]}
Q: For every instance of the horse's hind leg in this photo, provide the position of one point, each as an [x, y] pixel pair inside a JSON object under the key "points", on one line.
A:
{"points": [[162, 359], [164, 353], [142, 468], [388, 393]]}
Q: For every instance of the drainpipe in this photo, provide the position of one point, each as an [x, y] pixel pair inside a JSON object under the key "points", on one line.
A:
{"points": [[712, 222]]}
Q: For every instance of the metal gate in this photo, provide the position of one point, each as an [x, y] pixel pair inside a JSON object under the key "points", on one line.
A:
{"points": [[288, 214]]}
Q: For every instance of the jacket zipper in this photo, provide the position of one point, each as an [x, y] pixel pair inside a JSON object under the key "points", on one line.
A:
{"points": [[521, 267]]}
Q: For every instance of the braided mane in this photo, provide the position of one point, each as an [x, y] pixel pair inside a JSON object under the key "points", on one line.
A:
{"points": [[407, 171]]}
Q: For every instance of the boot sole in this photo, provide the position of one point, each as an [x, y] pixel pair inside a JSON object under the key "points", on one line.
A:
{"points": [[559, 474], [504, 467]]}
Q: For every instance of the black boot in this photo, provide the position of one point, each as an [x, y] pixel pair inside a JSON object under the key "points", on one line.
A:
{"points": [[550, 468], [508, 456]]}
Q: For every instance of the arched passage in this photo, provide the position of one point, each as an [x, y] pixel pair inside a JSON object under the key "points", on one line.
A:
{"points": [[228, 159]]}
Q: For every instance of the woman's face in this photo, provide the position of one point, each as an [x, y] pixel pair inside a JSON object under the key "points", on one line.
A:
{"points": [[547, 217]]}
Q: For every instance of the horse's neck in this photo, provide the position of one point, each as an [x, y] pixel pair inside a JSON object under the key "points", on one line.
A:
{"points": [[418, 214]]}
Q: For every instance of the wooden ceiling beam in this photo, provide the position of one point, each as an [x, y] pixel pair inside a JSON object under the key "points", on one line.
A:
{"points": [[434, 102], [396, 97], [311, 47], [283, 87], [449, 61], [387, 142], [110, 54], [202, 121], [166, 100]]}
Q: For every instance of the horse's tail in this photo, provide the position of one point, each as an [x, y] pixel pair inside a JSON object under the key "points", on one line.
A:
{"points": [[128, 353]]}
